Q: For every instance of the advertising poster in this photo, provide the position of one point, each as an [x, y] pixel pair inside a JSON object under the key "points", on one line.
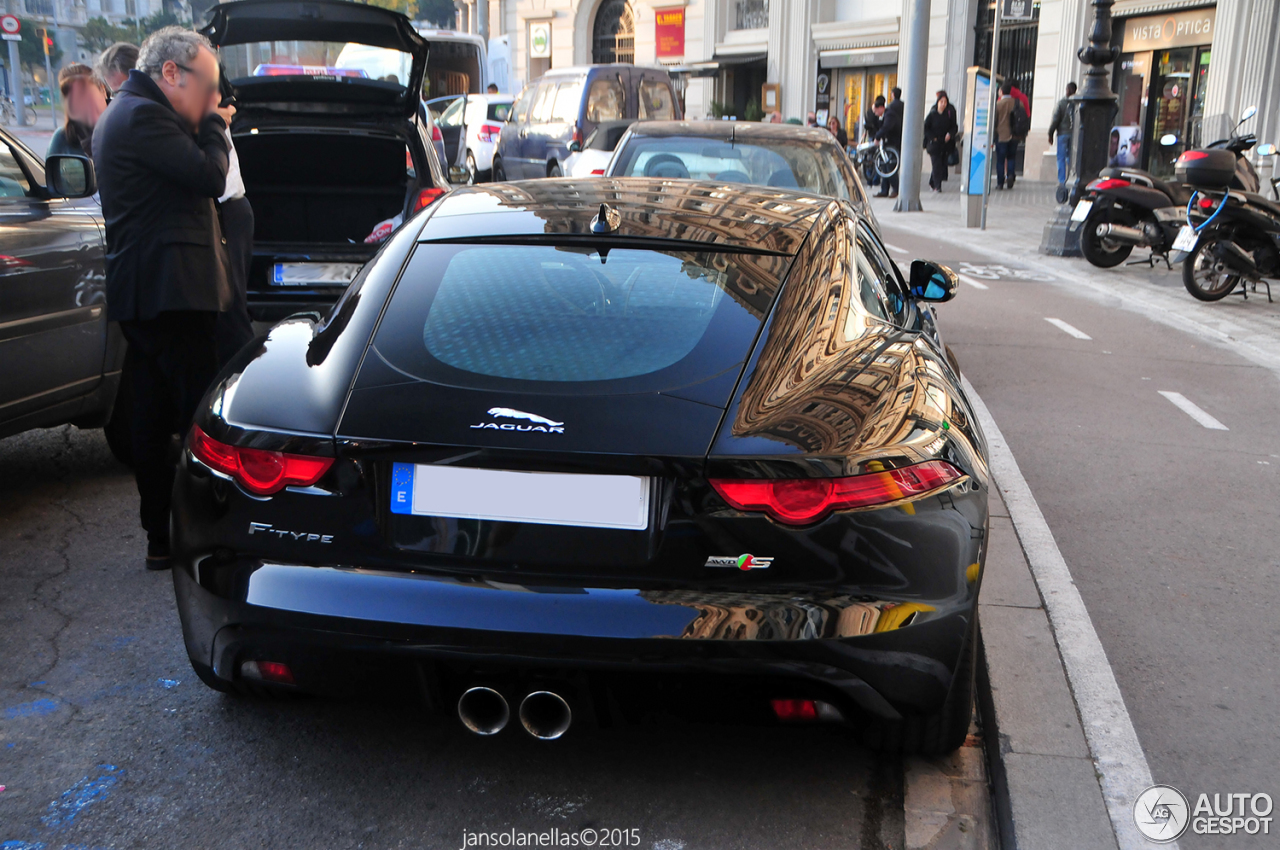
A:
{"points": [[668, 27], [979, 143], [1125, 147]]}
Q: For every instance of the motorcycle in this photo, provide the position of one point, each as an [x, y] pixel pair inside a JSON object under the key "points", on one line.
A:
{"points": [[1127, 208], [1232, 237]]}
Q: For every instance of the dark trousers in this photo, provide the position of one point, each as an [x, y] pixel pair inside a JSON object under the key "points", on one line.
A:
{"points": [[171, 361], [1006, 158], [938, 160], [234, 326]]}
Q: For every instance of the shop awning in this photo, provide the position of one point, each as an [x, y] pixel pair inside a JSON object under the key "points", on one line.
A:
{"points": [[713, 67], [859, 57]]}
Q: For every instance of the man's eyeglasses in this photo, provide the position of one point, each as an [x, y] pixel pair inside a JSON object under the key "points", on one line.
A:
{"points": [[210, 85]]}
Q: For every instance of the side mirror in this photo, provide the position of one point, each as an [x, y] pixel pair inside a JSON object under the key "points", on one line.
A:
{"points": [[1267, 150], [933, 282], [575, 147], [1168, 140], [1248, 113], [70, 176]]}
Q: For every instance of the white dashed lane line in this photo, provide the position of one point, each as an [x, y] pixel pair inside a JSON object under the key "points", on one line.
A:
{"points": [[1189, 407], [976, 284], [1069, 329]]}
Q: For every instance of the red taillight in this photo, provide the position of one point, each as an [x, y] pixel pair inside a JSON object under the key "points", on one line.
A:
{"points": [[267, 671], [258, 470], [489, 132], [577, 134], [1191, 156], [1205, 203], [800, 501], [597, 172], [794, 709], [436, 135], [1110, 183], [408, 160], [425, 197]]}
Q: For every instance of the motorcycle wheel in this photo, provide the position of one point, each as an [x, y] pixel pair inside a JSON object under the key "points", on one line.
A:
{"points": [[887, 162], [1204, 277], [1098, 251]]}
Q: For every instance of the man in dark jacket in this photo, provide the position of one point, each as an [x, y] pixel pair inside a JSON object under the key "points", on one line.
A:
{"points": [[160, 151], [891, 135], [1061, 125]]}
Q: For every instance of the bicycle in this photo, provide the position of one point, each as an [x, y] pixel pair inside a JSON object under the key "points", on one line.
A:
{"points": [[875, 157], [9, 112]]}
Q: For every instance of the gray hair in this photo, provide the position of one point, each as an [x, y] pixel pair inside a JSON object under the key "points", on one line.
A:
{"points": [[171, 44], [119, 58]]}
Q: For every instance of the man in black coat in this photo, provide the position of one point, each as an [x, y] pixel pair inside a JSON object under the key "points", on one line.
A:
{"points": [[891, 135], [160, 151]]}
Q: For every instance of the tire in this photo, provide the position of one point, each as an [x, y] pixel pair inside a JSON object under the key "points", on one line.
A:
{"points": [[554, 170], [1096, 250], [119, 428], [499, 173], [1201, 277], [934, 734], [887, 162], [473, 176]]}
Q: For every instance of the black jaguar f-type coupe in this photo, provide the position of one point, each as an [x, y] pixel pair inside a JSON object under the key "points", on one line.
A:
{"points": [[565, 449]]}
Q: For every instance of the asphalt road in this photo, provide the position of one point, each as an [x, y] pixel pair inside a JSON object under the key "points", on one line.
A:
{"points": [[108, 740], [1168, 526]]}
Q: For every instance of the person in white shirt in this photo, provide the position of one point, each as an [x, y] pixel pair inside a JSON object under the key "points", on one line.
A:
{"points": [[235, 328]]}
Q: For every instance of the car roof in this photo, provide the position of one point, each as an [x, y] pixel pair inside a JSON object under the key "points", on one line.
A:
{"points": [[737, 216], [734, 129], [576, 70]]}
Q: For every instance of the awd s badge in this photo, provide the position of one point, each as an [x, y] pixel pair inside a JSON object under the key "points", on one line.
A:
{"points": [[742, 562]]}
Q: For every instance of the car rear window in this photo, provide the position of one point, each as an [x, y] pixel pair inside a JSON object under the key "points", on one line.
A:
{"points": [[498, 314], [795, 164], [499, 111]]}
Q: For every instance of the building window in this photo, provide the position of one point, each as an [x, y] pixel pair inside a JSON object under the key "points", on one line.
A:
{"points": [[751, 14], [40, 7], [614, 37]]}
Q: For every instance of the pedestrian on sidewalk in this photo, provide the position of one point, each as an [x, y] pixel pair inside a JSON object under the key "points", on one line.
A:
{"points": [[1061, 125], [84, 97], [160, 150], [890, 135], [833, 124], [940, 138], [1006, 142], [872, 121], [115, 63]]}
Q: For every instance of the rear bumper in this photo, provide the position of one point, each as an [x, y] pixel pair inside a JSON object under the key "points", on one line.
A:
{"points": [[886, 658]]}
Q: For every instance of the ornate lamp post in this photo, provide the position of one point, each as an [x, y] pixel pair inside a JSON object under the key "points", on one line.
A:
{"points": [[1093, 109]]}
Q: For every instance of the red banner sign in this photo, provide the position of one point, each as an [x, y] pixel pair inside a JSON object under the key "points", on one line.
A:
{"points": [[668, 25]]}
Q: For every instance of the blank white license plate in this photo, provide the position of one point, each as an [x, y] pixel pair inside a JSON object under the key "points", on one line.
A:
{"points": [[543, 498], [314, 274], [1186, 239], [1081, 212]]}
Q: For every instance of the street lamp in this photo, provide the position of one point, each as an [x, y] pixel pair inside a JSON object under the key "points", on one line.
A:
{"points": [[1093, 109]]}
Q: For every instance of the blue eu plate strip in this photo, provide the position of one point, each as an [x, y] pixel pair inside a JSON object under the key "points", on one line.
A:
{"points": [[402, 488]]}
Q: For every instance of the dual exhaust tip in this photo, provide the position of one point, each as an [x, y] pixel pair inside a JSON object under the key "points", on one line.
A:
{"points": [[543, 714]]}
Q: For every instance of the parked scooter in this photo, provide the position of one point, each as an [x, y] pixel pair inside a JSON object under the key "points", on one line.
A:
{"points": [[1232, 236], [1127, 208]]}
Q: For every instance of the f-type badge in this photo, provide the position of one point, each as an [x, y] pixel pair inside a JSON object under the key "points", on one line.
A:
{"points": [[539, 423], [742, 562]]}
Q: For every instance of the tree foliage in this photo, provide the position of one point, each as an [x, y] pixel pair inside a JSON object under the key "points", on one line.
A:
{"points": [[98, 34]]}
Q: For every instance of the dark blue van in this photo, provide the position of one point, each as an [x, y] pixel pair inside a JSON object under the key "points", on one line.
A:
{"points": [[560, 109]]}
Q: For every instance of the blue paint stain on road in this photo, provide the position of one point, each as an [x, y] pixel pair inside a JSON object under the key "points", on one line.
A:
{"points": [[122, 642], [21, 845], [168, 683], [63, 811], [36, 708], [36, 684]]}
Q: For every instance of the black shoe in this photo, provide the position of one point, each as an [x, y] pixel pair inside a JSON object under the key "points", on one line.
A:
{"points": [[882, 194], [158, 554], [1011, 179], [999, 185]]}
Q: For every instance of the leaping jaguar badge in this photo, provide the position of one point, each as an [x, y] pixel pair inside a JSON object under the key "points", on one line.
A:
{"points": [[539, 423]]}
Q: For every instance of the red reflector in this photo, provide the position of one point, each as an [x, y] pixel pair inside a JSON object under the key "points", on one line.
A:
{"points": [[1110, 183], [794, 709], [274, 671], [258, 470], [1190, 156], [577, 134], [1205, 203], [596, 172], [425, 197], [800, 501]]}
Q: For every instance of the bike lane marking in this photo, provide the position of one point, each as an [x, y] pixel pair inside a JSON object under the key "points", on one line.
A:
{"points": [[1068, 329], [1121, 763], [1190, 408], [973, 282]]}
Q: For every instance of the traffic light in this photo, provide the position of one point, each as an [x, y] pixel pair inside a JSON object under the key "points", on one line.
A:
{"points": [[46, 40]]}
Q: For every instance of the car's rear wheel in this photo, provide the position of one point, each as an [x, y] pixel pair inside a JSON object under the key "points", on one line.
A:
{"points": [[938, 733], [554, 170], [473, 176], [499, 173]]}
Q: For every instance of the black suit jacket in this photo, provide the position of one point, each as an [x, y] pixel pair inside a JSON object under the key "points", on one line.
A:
{"points": [[158, 183], [891, 130]]}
